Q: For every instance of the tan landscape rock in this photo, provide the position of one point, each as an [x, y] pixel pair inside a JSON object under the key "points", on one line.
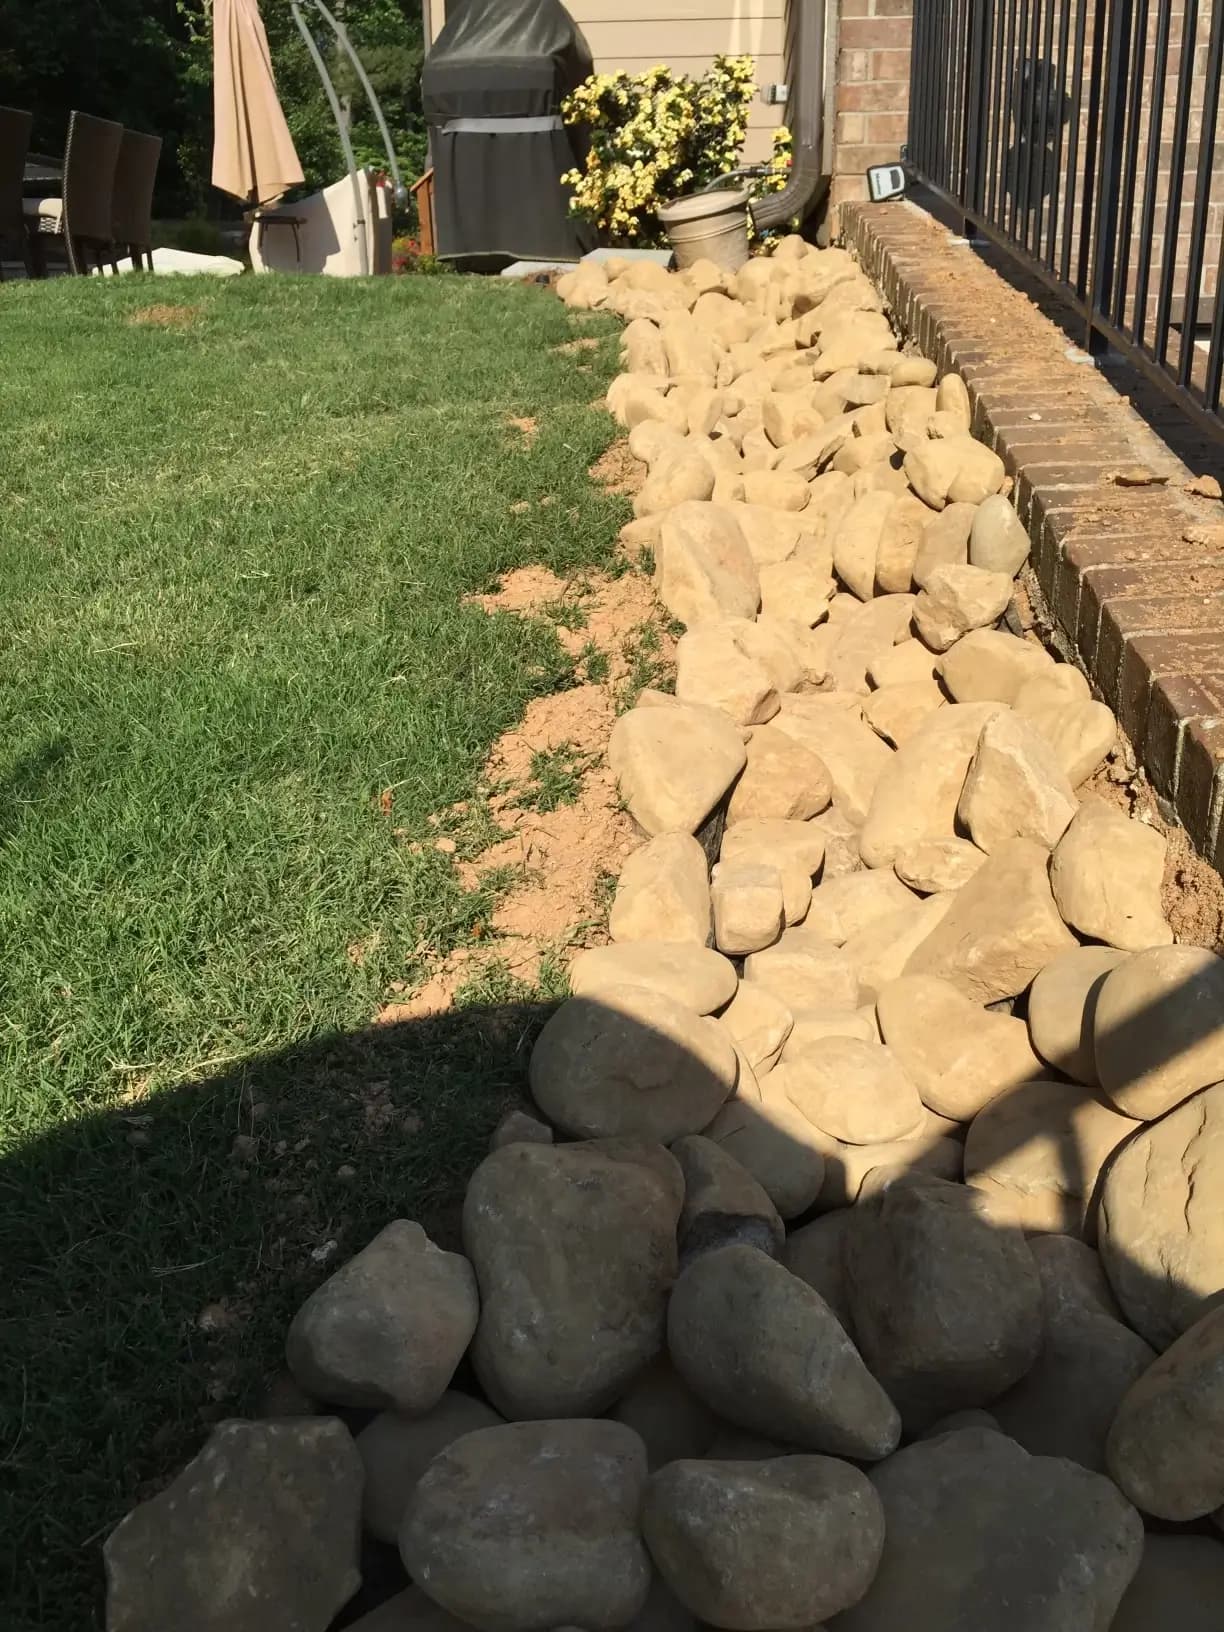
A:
{"points": [[666, 1416], [907, 412], [1180, 1581], [1161, 1232], [855, 1092], [856, 542], [776, 489], [723, 1204], [813, 1025], [1158, 1030], [813, 1252], [843, 907], [721, 1304], [919, 788], [533, 1525], [1166, 1446], [989, 665], [787, 1541], [795, 589], [772, 535], [759, 1024], [673, 765], [396, 1450], [705, 569], [952, 398], [853, 1172], [841, 843], [679, 480], [663, 893], [782, 780], [957, 1054], [1106, 874], [1015, 787], [997, 540], [933, 865], [1036, 1152], [880, 953], [872, 629], [1081, 732], [898, 547], [641, 348], [695, 976], [954, 600], [748, 909], [909, 662], [777, 1145], [804, 976], [896, 712], [1062, 1009], [1001, 930], [945, 541], [630, 1063], [846, 745]]}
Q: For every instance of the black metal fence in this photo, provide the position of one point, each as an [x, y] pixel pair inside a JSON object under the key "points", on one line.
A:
{"points": [[1080, 136]]}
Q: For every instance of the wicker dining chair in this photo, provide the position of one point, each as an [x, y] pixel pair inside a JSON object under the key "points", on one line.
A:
{"points": [[132, 205], [14, 145], [81, 217]]}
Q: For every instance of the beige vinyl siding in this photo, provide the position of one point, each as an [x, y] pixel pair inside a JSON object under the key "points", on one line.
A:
{"points": [[685, 35]]}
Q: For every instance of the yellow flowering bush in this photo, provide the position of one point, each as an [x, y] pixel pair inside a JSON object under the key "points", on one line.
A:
{"points": [[656, 136]]}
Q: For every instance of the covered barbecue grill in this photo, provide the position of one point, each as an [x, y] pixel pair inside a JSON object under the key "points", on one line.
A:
{"points": [[492, 87]]}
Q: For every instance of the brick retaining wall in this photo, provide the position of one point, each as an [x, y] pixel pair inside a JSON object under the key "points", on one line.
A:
{"points": [[1131, 578]]}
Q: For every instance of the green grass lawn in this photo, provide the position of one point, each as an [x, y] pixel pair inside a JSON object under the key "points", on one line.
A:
{"points": [[236, 678]]}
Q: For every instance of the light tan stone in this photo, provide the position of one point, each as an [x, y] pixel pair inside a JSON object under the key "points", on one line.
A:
{"points": [[907, 663], [1062, 1009], [641, 348], [898, 547], [843, 907], [953, 470], [804, 975], [896, 712], [952, 398], [795, 589], [1106, 874], [677, 481], [907, 412], [772, 535], [813, 1025], [933, 865], [918, 790], [854, 1091], [663, 893], [954, 600], [777, 1145], [1001, 929], [782, 779], [998, 541], [1015, 787], [856, 542], [1036, 1151], [871, 630], [1080, 731], [759, 1024], [696, 976], [880, 953], [848, 748], [633, 398], [776, 489], [1158, 1030], [958, 1055], [714, 670], [673, 765], [855, 1172], [748, 912], [945, 541], [395, 1451], [705, 569], [989, 665], [841, 844]]}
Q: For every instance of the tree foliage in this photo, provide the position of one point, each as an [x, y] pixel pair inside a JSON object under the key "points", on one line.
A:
{"points": [[148, 64]]}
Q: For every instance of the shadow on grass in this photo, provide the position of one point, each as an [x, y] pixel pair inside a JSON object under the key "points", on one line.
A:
{"points": [[154, 1256]]}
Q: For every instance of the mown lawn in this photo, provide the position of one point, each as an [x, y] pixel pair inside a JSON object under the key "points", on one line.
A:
{"points": [[236, 678]]}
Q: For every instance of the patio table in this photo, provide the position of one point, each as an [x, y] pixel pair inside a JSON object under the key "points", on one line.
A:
{"points": [[41, 176]]}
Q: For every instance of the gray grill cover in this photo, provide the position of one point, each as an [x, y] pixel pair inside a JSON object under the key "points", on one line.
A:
{"points": [[497, 192]]}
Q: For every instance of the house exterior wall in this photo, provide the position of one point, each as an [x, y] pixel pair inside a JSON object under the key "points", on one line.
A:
{"points": [[871, 92], [683, 34]]}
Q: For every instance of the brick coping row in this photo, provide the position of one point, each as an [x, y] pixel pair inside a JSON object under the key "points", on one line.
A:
{"points": [[1131, 577]]}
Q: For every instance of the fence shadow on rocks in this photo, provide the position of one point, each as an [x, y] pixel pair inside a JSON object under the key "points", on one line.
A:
{"points": [[155, 1253]]}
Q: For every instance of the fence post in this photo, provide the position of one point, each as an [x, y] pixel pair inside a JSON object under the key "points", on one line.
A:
{"points": [[1105, 227], [973, 187]]}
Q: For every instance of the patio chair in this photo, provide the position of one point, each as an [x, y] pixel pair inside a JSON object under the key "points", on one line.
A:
{"points": [[81, 217], [132, 204], [14, 144]]}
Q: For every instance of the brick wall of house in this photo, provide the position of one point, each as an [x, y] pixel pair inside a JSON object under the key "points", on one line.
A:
{"points": [[871, 92]]}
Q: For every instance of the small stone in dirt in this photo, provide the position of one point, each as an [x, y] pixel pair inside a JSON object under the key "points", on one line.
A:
{"points": [[1158, 1031], [1062, 1009], [1088, 1360], [722, 1304], [1002, 928], [759, 1024], [261, 1529], [673, 765], [1166, 1446], [946, 1304], [1035, 1154], [989, 665], [783, 780], [958, 1055], [575, 1252], [389, 1327], [663, 893], [979, 1535], [1179, 1584], [723, 1204], [520, 1127], [932, 865], [630, 1063], [748, 907], [1015, 787], [998, 541], [1161, 1234], [533, 1526], [953, 600], [1106, 874], [759, 1545], [853, 1091], [666, 1415], [396, 1450], [695, 976]]}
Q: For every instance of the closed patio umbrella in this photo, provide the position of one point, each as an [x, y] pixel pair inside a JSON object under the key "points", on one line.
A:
{"points": [[253, 154]]}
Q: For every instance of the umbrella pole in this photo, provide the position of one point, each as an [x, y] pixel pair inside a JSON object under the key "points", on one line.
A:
{"points": [[346, 146], [342, 35]]}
